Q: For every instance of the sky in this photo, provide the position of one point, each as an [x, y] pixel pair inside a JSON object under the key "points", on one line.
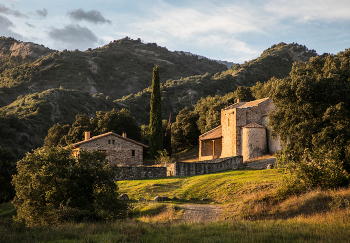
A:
{"points": [[228, 30]]}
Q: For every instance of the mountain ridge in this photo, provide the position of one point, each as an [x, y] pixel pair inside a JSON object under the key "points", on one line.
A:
{"points": [[40, 87]]}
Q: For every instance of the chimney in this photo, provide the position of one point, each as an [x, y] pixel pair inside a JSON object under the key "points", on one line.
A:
{"points": [[87, 135], [124, 135]]}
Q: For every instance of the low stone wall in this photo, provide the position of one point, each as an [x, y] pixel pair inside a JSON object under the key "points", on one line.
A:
{"points": [[208, 166], [141, 172]]}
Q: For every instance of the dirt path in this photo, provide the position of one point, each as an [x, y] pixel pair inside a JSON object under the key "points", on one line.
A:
{"points": [[201, 213]]}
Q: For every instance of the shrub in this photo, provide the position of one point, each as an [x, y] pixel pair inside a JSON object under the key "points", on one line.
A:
{"points": [[52, 187]]}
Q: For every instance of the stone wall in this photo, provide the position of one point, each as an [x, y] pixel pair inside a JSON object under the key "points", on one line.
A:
{"points": [[139, 173], [118, 151], [208, 166], [254, 142]]}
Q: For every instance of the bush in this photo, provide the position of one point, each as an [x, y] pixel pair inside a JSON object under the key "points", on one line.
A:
{"points": [[52, 187]]}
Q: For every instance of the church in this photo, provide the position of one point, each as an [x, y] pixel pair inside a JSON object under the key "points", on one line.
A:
{"points": [[243, 131]]}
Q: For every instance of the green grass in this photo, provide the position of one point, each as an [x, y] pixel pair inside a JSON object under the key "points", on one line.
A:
{"points": [[316, 216], [225, 187]]}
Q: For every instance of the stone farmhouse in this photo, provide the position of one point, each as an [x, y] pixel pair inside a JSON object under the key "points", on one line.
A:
{"points": [[243, 131], [120, 150]]}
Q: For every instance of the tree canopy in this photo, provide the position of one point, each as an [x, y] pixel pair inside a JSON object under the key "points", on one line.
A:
{"points": [[111, 121], [52, 186], [312, 118]]}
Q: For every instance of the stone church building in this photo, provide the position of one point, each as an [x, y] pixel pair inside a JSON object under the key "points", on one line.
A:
{"points": [[243, 131], [119, 150]]}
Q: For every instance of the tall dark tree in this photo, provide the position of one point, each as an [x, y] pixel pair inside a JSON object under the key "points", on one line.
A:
{"points": [[155, 121], [167, 138], [7, 170]]}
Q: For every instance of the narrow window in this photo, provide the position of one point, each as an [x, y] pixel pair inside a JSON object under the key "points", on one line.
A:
{"points": [[133, 152], [228, 122], [109, 141], [113, 141]]}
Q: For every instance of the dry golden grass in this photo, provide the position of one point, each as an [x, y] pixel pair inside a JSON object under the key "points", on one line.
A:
{"points": [[152, 212]]}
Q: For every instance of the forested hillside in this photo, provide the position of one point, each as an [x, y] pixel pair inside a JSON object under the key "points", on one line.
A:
{"points": [[40, 87], [276, 61], [117, 69]]}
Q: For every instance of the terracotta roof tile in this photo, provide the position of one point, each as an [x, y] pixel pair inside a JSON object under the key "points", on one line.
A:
{"points": [[246, 104], [253, 125], [107, 134], [212, 134]]}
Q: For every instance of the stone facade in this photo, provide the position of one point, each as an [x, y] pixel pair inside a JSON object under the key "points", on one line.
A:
{"points": [[119, 150], [254, 141], [228, 139]]}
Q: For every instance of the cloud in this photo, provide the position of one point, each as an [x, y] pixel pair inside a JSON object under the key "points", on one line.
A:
{"points": [[8, 11], [42, 13], [73, 36], [5, 25], [310, 10], [30, 25], [93, 16]]}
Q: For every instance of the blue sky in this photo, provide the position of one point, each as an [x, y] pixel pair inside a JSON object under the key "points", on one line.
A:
{"points": [[233, 30]]}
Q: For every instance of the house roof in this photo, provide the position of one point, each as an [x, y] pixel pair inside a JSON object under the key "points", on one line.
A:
{"points": [[212, 134], [253, 125], [108, 134], [245, 104]]}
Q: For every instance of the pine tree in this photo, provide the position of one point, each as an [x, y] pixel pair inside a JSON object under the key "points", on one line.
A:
{"points": [[155, 121]]}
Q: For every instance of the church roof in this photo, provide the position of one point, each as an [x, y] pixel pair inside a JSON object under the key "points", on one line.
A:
{"points": [[107, 134], [212, 134], [253, 125], [244, 104]]}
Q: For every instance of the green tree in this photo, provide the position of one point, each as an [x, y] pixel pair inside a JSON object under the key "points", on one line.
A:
{"points": [[155, 122], [56, 136], [118, 122], [244, 93], [7, 170], [52, 187], [312, 118], [185, 132], [77, 131]]}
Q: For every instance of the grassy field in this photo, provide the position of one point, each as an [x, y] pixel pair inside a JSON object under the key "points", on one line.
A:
{"points": [[316, 216]]}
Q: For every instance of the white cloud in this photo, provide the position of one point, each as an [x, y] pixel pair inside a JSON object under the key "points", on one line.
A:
{"points": [[5, 28], [93, 16], [73, 36], [42, 13], [310, 10], [8, 11]]}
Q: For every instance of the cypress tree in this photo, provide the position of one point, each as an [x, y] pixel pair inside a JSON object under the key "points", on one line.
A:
{"points": [[155, 121]]}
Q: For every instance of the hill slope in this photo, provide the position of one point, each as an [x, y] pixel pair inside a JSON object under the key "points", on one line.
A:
{"points": [[40, 87], [117, 69], [276, 61]]}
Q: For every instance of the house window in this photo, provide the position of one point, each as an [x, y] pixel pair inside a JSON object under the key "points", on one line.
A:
{"points": [[133, 152], [109, 141], [113, 141]]}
